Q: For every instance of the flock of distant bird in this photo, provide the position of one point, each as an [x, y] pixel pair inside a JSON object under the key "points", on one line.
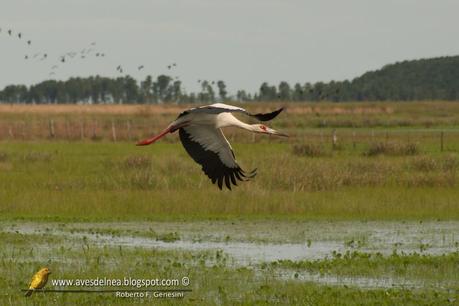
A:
{"points": [[19, 35], [86, 52]]}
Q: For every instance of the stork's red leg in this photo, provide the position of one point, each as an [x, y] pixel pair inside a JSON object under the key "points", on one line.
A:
{"points": [[154, 138]]}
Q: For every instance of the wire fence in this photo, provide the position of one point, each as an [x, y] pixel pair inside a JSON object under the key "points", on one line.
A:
{"points": [[122, 129]]}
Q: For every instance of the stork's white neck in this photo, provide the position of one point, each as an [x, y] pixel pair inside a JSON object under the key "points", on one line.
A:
{"points": [[227, 119]]}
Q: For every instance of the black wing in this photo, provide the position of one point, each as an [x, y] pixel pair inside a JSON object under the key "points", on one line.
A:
{"points": [[209, 148]]}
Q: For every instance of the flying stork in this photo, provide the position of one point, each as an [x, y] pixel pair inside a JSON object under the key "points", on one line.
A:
{"points": [[201, 136]]}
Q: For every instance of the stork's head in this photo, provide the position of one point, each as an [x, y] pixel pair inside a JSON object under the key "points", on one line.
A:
{"points": [[261, 128]]}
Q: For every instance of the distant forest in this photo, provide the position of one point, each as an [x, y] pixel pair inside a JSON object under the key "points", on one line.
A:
{"points": [[425, 79]]}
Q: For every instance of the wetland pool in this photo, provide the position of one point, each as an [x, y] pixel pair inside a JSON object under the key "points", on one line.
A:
{"points": [[251, 244]]}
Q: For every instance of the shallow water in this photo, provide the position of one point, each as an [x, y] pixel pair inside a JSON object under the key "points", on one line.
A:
{"points": [[250, 244], [319, 239], [360, 282], [244, 253]]}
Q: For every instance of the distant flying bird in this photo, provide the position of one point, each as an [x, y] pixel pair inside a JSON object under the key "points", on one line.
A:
{"points": [[9, 32], [29, 42], [201, 136], [169, 67], [39, 280], [93, 43], [63, 59], [20, 35], [140, 67], [26, 57]]}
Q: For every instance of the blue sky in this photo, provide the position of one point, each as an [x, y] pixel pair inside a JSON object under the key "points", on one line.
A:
{"points": [[242, 42]]}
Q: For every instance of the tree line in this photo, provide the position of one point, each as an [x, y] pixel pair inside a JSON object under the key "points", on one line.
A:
{"points": [[425, 79], [100, 90]]}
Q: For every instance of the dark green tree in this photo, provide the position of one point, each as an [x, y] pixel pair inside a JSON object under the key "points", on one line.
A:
{"points": [[222, 90]]}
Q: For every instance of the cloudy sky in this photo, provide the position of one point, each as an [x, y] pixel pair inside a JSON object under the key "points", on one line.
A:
{"points": [[244, 42]]}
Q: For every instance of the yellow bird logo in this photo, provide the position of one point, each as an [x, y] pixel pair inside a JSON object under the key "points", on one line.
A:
{"points": [[39, 280]]}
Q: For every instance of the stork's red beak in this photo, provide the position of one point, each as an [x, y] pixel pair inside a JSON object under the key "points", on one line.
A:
{"points": [[151, 140]]}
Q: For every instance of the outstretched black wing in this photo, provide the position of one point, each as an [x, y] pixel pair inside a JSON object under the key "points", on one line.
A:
{"points": [[209, 148], [218, 108]]}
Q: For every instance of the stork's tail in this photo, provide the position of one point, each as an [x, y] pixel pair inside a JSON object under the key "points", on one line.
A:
{"points": [[268, 116]]}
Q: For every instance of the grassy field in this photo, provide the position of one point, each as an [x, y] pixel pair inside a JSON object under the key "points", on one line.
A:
{"points": [[75, 192], [60, 181]]}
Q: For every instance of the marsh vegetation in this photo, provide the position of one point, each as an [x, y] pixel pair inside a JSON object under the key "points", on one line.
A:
{"points": [[369, 217]]}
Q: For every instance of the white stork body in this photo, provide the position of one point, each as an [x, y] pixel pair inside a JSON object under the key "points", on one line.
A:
{"points": [[201, 136]]}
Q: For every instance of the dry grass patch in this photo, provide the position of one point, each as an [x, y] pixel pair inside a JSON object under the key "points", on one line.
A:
{"points": [[37, 156], [392, 148], [310, 150], [136, 162]]}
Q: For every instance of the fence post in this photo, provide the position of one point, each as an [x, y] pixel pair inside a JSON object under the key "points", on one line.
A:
{"points": [[94, 129], [67, 129], [128, 123], [51, 128], [441, 141], [10, 132], [23, 125], [82, 129], [353, 140], [334, 139], [113, 130]]}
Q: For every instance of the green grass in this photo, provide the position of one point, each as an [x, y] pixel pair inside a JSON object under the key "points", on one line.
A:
{"points": [[65, 181], [441, 269]]}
